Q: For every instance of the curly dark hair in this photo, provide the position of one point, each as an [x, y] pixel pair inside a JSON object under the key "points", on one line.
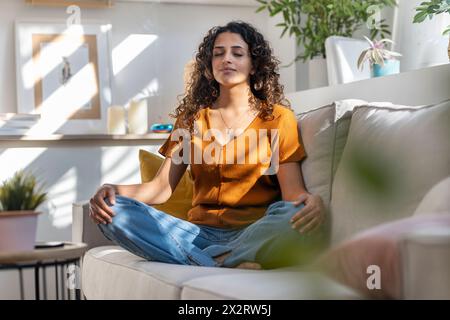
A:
{"points": [[203, 90]]}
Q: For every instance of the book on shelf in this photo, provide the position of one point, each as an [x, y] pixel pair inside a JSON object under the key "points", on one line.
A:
{"points": [[19, 117], [17, 123]]}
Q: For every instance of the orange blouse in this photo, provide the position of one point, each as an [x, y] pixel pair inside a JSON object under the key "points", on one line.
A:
{"points": [[235, 183]]}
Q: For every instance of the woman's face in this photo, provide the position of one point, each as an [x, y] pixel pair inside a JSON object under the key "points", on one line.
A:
{"points": [[231, 60]]}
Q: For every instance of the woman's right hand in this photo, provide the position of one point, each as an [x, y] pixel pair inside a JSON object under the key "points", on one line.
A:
{"points": [[99, 210]]}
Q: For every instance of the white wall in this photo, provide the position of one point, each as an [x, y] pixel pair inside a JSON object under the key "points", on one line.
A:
{"points": [[421, 44], [158, 71]]}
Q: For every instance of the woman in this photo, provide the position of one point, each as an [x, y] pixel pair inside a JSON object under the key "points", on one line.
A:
{"points": [[246, 214]]}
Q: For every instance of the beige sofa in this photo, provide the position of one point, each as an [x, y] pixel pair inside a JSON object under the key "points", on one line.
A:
{"points": [[372, 163]]}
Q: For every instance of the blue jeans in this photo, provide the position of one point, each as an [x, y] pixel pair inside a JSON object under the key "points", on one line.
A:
{"points": [[155, 235]]}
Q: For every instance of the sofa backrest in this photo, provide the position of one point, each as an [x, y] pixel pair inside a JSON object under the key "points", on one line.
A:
{"points": [[392, 157]]}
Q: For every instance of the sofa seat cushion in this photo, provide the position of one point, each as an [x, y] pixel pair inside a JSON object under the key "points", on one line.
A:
{"points": [[111, 272], [266, 285]]}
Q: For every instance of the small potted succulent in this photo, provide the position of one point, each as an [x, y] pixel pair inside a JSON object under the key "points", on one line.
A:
{"points": [[382, 61], [19, 197]]}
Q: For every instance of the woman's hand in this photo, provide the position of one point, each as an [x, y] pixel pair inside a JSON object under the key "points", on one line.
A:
{"points": [[99, 211], [311, 216]]}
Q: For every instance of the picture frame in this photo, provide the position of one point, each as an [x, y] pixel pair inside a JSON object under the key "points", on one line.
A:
{"points": [[63, 74]]}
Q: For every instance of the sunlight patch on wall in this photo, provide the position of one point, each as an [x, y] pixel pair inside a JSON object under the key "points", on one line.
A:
{"points": [[124, 53], [14, 159], [61, 196], [150, 90], [111, 168]]}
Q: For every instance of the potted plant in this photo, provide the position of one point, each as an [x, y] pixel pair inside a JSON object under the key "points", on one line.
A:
{"points": [[19, 197], [311, 22], [430, 9], [382, 61]]}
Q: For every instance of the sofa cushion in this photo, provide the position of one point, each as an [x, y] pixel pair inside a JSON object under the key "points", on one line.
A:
{"points": [[266, 285], [437, 200], [392, 157], [111, 272], [324, 133], [180, 202]]}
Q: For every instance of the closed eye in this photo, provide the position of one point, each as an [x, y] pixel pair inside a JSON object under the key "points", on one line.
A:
{"points": [[236, 54]]}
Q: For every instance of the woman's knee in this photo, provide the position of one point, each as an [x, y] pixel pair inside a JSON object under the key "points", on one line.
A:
{"points": [[127, 213], [283, 208]]}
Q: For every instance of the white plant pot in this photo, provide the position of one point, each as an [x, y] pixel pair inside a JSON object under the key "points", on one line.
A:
{"points": [[318, 76], [18, 230]]}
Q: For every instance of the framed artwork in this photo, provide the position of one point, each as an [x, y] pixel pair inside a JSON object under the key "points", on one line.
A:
{"points": [[63, 73]]}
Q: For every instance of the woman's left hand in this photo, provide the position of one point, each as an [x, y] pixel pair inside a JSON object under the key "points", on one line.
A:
{"points": [[311, 216]]}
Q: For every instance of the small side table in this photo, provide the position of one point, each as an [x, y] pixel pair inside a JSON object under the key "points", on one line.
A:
{"points": [[40, 259]]}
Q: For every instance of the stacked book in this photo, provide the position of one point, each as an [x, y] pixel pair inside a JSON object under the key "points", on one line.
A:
{"points": [[17, 123]]}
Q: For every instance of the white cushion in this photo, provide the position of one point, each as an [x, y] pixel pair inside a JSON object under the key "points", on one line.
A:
{"points": [[393, 156], [437, 200], [111, 272], [266, 285], [324, 133]]}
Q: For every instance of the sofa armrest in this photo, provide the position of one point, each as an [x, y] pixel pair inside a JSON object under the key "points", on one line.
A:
{"points": [[426, 264], [84, 229]]}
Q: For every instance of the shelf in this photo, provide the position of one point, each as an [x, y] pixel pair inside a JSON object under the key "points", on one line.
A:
{"points": [[85, 140], [86, 137]]}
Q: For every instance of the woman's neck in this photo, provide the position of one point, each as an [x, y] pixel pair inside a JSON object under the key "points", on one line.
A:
{"points": [[235, 98]]}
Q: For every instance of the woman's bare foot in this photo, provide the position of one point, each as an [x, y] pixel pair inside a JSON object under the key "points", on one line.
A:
{"points": [[249, 265], [220, 259], [244, 265]]}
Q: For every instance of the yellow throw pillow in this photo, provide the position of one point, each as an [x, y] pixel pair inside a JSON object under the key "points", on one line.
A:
{"points": [[181, 200]]}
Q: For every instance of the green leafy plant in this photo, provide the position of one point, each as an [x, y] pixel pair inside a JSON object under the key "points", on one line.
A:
{"points": [[430, 9], [376, 53], [20, 193], [313, 21]]}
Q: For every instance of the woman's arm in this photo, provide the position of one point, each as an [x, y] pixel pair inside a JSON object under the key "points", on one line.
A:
{"points": [[291, 181], [157, 191], [312, 215]]}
